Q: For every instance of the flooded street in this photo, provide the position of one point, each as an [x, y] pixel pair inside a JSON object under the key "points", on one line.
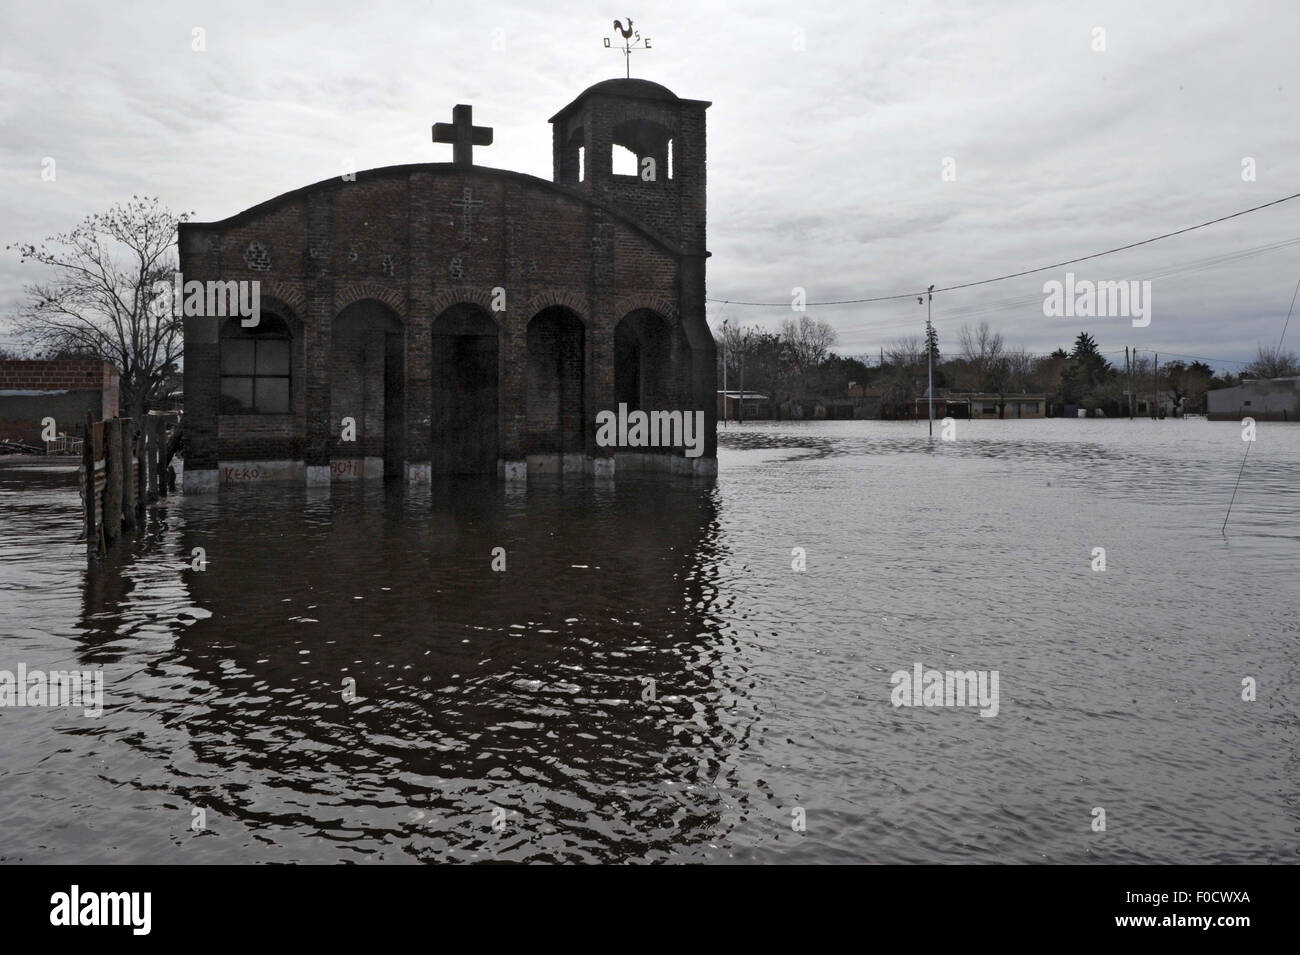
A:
{"points": [[650, 680]]}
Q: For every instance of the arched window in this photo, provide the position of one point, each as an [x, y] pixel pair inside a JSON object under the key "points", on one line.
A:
{"points": [[622, 161], [256, 367], [638, 140]]}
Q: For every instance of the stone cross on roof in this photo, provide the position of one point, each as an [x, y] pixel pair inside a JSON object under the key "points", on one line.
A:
{"points": [[462, 134]]}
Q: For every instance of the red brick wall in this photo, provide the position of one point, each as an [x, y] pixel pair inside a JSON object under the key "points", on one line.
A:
{"points": [[72, 374], [66, 390]]}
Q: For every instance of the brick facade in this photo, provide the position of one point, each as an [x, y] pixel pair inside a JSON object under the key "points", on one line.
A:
{"points": [[63, 390], [465, 317]]}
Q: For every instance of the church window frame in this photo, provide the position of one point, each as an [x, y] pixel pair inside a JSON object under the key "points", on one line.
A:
{"points": [[256, 368]]}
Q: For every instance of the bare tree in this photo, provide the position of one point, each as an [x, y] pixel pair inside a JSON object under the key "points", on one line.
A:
{"points": [[1021, 367], [981, 347], [985, 352], [102, 296], [809, 341], [905, 358], [1273, 363], [907, 352]]}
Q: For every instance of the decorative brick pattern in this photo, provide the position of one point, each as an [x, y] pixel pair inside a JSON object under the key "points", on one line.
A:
{"points": [[258, 259]]}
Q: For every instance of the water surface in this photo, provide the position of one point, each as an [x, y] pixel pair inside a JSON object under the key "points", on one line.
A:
{"points": [[650, 680]]}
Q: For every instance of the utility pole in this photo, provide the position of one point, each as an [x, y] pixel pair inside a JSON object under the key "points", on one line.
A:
{"points": [[724, 372], [929, 358], [740, 407], [1155, 387], [1128, 374]]}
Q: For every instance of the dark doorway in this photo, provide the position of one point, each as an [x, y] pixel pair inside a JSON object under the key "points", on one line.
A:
{"points": [[394, 405], [652, 364], [465, 380], [368, 385], [556, 354]]}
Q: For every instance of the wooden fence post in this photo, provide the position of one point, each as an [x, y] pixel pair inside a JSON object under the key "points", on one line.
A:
{"points": [[88, 477], [113, 489], [151, 463], [128, 474], [161, 427], [141, 480]]}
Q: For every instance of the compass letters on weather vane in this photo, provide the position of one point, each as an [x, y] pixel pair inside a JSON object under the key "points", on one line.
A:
{"points": [[633, 42]]}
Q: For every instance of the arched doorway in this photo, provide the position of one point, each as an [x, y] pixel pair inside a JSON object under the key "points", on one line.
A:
{"points": [[368, 385], [556, 376], [465, 387], [652, 363]]}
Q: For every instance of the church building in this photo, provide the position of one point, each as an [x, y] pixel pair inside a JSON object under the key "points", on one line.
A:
{"points": [[449, 318]]}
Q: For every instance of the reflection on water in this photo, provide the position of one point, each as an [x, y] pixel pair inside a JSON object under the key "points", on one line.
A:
{"points": [[649, 680]]}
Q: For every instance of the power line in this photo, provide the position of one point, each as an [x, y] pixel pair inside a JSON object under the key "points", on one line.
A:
{"points": [[1112, 351], [977, 309], [1288, 317], [1174, 354], [1023, 272], [1224, 529]]}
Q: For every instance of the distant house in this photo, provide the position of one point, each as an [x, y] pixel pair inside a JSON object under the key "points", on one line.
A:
{"points": [[984, 405], [945, 406], [855, 403], [755, 406], [1264, 399], [31, 391], [867, 401], [1163, 405]]}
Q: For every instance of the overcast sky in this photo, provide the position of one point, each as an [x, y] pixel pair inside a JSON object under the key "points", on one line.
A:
{"points": [[825, 164]]}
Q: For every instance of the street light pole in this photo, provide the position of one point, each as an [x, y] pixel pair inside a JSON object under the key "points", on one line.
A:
{"points": [[929, 358], [724, 373], [740, 406]]}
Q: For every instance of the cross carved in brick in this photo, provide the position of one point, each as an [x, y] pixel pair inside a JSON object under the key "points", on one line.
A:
{"points": [[462, 134], [467, 204]]}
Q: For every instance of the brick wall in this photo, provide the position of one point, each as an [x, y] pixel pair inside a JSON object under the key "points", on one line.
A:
{"points": [[62, 390]]}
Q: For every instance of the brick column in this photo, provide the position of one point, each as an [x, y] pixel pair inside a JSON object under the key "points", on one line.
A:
{"points": [[419, 323], [200, 258], [599, 379], [512, 400], [703, 357], [317, 332]]}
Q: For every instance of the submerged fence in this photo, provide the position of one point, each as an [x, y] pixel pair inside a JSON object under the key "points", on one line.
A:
{"points": [[126, 467], [63, 443]]}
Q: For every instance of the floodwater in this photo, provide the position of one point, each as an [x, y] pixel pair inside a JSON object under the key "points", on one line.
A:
{"points": [[650, 680]]}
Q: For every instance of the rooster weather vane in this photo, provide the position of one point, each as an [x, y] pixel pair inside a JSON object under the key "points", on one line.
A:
{"points": [[632, 42]]}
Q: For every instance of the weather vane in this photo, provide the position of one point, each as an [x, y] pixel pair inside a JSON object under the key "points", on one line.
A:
{"points": [[632, 42]]}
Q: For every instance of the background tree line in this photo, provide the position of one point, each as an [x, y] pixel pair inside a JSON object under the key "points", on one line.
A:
{"points": [[797, 362]]}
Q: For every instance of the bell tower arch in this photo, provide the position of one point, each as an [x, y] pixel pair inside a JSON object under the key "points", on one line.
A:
{"points": [[665, 134]]}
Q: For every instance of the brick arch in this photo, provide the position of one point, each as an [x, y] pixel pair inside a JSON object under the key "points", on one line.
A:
{"points": [[285, 301], [628, 304], [292, 317], [353, 292], [288, 295], [468, 296], [543, 300]]}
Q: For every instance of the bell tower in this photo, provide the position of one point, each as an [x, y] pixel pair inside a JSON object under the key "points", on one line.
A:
{"points": [[665, 134]]}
